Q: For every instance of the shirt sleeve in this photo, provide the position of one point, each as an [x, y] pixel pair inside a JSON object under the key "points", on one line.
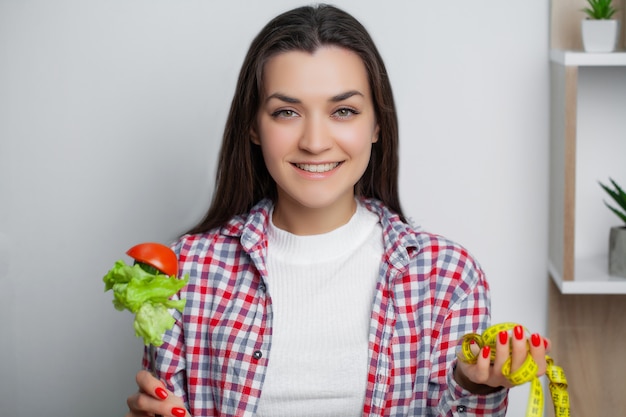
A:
{"points": [[170, 360], [457, 401], [468, 301]]}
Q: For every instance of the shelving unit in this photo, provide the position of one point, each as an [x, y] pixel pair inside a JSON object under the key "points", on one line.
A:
{"points": [[585, 311], [570, 274]]}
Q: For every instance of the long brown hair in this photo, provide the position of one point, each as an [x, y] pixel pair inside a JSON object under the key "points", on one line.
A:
{"points": [[242, 178]]}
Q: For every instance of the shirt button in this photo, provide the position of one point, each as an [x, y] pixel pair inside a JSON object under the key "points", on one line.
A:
{"points": [[380, 378], [257, 354], [461, 409]]}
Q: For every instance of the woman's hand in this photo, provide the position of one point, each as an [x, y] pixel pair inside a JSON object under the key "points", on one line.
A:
{"points": [[154, 399], [484, 377]]}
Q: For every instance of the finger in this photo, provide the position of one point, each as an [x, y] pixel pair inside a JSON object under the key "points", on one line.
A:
{"points": [[483, 366], [474, 348], [153, 399], [519, 348], [502, 351], [547, 343], [150, 385], [141, 404], [538, 352]]}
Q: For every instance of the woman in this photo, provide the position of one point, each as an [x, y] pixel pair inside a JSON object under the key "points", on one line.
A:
{"points": [[309, 292]]}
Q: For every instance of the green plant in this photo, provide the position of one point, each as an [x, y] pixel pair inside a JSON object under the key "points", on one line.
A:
{"points": [[620, 198], [599, 9]]}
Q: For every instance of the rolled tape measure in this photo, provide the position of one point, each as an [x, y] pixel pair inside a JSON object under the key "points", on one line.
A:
{"points": [[526, 373]]}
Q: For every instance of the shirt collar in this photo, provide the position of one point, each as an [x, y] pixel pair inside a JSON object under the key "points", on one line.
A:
{"points": [[399, 238]]}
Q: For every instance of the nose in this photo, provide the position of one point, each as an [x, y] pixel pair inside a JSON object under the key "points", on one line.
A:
{"points": [[316, 136]]}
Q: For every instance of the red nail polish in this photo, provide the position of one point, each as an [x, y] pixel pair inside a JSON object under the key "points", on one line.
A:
{"points": [[535, 339], [545, 343], [486, 352], [179, 412], [504, 337], [161, 393], [519, 332]]}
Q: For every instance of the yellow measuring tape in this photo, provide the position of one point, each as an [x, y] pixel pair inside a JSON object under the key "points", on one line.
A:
{"points": [[526, 373]]}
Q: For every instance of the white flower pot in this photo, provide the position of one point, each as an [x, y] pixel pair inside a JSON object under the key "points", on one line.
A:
{"points": [[600, 35]]}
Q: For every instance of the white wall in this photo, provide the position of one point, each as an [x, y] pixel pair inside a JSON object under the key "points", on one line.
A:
{"points": [[110, 118], [600, 150]]}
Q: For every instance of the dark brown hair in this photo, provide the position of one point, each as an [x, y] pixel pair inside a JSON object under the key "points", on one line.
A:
{"points": [[242, 178]]}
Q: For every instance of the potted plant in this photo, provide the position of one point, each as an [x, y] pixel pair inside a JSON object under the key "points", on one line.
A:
{"points": [[599, 31], [617, 237]]}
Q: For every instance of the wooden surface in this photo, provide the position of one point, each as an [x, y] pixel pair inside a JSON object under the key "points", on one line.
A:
{"points": [[571, 93], [564, 85], [589, 338]]}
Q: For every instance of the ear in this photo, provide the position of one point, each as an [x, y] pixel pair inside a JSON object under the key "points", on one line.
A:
{"points": [[376, 134], [254, 136]]}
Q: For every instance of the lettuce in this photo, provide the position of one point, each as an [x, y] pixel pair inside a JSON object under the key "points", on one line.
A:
{"points": [[147, 296]]}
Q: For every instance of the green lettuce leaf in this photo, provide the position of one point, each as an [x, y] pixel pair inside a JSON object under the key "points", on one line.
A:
{"points": [[147, 296], [151, 322]]}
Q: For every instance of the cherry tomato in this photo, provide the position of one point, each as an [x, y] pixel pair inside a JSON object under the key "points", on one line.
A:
{"points": [[155, 255]]}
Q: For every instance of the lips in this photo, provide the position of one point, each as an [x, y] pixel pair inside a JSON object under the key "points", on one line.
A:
{"points": [[317, 168]]}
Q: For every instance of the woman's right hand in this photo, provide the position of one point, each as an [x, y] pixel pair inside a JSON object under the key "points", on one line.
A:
{"points": [[154, 399]]}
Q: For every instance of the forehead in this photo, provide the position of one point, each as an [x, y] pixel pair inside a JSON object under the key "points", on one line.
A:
{"points": [[326, 71]]}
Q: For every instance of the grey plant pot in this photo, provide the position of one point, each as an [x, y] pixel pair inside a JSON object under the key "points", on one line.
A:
{"points": [[617, 251]]}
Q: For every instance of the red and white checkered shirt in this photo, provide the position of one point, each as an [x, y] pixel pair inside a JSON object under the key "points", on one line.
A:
{"points": [[430, 292]]}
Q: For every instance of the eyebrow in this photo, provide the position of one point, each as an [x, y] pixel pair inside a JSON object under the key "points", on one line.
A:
{"points": [[333, 99]]}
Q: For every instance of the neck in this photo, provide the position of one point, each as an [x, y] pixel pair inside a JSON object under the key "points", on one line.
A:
{"points": [[303, 221]]}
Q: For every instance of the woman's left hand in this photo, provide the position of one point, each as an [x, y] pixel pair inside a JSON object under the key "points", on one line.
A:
{"points": [[483, 376]]}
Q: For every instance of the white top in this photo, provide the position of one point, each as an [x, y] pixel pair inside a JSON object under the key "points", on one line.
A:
{"points": [[322, 288]]}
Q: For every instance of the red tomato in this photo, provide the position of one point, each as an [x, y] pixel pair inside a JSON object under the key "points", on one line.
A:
{"points": [[156, 255]]}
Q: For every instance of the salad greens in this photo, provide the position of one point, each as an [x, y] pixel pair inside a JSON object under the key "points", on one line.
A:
{"points": [[147, 296]]}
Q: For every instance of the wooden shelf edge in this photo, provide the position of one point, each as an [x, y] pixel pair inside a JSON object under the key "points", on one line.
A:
{"points": [[573, 58], [591, 286]]}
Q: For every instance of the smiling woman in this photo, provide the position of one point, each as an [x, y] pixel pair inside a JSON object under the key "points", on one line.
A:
{"points": [[309, 293], [315, 129]]}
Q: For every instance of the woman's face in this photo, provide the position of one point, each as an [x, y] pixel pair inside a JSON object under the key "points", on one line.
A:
{"points": [[316, 125]]}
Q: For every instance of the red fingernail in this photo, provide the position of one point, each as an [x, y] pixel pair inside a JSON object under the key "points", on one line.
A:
{"points": [[519, 332], [545, 343], [161, 393], [535, 339], [486, 352], [504, 337], [179, 412]]}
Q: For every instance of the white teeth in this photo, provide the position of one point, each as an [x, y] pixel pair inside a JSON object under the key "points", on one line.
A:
{"points": [[317, 167]]}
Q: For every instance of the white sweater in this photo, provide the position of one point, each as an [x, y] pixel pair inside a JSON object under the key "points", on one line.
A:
{"points": [[322, 287]]}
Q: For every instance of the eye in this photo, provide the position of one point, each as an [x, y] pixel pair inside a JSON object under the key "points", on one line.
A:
{"points": [[345, 113], [284, 114]]}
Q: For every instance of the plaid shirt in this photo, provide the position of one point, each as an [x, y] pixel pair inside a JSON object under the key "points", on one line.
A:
{"points": [[430, 292]]}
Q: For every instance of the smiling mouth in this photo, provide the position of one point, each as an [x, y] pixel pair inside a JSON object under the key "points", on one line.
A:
{"points": [[318, 167]]}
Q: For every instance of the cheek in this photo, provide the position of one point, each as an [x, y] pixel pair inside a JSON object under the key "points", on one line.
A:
{"points": [[272, 135], [356, 140], [275, 141]]}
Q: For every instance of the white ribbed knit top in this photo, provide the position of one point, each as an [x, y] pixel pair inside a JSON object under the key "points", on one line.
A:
{"points": [[322, 287]]}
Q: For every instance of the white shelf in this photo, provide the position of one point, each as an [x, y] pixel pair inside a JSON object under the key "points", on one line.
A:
{"points": [[591, 278], [586, 59]]}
